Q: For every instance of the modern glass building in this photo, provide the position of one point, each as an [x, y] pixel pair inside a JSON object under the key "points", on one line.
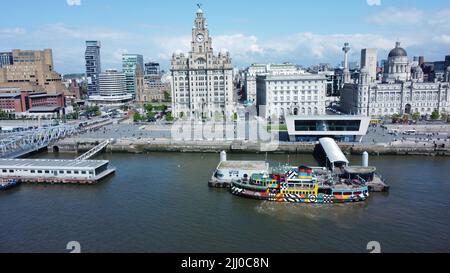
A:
{"points": [[152, 68], [340, 128], [131, 65], [6, 58], [93, 66]]}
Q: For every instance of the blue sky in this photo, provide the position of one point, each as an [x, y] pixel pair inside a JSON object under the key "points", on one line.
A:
{"points": [[302, 32]]}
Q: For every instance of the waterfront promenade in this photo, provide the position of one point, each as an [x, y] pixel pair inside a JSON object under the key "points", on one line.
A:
{"points": [[157, 138]]}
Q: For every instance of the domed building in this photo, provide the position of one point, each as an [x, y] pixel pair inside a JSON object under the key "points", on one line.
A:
{"points": [[403, 90], [397, 67]]}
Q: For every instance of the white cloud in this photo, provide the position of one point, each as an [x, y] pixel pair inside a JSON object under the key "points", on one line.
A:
{"points": [[440, 18], [374, 2], [73, 2], [404, 16], [12, 31], [444, 39], [86, 33]]}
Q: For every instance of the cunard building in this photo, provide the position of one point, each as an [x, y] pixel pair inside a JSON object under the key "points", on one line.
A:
{"points": [[202, 83]]}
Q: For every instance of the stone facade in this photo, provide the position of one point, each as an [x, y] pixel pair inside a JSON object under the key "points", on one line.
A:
{"points": [[298, 94], [403, 91], [202, 83], [264, 69]]}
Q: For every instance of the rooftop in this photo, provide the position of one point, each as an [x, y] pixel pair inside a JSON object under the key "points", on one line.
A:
{"points": [[9, 95], [246, 165], [44, 109], [332, 150], [51, 163]]}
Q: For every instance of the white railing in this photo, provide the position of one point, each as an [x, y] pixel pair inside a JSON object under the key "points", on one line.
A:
{"points": [[93, 151]]}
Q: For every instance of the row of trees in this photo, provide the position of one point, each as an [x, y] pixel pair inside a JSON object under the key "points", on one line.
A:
{"points": [[151, 112], [436, 115]]}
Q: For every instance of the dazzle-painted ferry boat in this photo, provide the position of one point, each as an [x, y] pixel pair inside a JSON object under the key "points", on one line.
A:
{"points": [[300, 185]]}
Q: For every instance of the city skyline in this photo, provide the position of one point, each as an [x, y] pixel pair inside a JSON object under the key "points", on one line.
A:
{"points": [[285, 31]]}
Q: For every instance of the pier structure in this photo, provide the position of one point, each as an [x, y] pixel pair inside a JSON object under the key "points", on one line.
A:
{"points": [[18, 144], [55, 171]]}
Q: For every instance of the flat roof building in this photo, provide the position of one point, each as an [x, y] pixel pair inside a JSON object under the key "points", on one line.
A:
{"points": [[54, 171], [340, 128]]}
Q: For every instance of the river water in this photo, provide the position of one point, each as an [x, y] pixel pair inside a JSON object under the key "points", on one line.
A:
{"points": [[160, 202]]}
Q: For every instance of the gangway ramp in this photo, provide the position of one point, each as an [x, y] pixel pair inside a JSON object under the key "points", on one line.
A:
{"points": [[94, 150]]}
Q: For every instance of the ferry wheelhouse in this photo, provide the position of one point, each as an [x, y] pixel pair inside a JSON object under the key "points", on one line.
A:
{"points": [[300, 185]]}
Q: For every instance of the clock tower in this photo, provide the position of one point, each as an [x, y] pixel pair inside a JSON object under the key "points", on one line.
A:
{"points": [[201, 45], [202, 83]]}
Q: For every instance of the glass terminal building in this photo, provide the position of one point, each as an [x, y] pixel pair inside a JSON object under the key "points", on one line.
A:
{"points": [[340, 128]]}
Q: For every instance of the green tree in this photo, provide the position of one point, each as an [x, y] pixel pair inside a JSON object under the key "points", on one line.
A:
{"points": [[435, 115], [416, 116], [395, 118], [444, 116], [167, 97], [3, 115], [169, 117], [137, 117]]}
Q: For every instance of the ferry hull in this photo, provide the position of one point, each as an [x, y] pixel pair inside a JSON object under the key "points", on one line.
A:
{"points": [[296, 198]]}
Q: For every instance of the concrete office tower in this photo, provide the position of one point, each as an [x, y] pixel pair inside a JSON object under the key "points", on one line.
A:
{"points": [[31, 70], [112, 83], [369, 61], [6, 58], [202, 83], [93, 66], [132, 64]]}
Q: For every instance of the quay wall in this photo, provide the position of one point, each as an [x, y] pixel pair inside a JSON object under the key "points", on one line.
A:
{"points": [[77, 145]]}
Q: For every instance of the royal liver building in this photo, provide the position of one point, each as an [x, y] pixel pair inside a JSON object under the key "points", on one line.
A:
{"points": [[402, 90], [202, 83]]}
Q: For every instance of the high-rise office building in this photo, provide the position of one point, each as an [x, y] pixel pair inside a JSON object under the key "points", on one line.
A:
{"points": [[152, 68], [132, 64], [112, 83], [369, 61], [6, 58], [93, 66]]}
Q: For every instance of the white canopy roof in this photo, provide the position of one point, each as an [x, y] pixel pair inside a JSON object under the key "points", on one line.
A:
{"points": [[332, 150]]}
